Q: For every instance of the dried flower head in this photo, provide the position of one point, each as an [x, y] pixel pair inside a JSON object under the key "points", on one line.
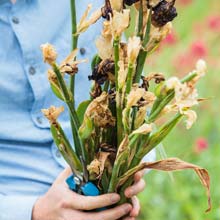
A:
{"points": [[134, 46], [104, 47], [117, 5], [139, 96], [157, 35], [119, 22], [70, 65], [52, 113], [85, 23], [99, 112], [163, 13], [49, 53], [51, 75]]}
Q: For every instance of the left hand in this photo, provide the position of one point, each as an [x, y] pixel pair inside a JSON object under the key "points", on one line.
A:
{"points": [[132, 191]]}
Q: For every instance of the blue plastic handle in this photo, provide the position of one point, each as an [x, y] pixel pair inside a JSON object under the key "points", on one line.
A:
{"points": [[88, 189]]}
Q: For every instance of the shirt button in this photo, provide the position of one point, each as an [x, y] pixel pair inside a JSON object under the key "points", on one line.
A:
{"points": [[82, 50], [15, 20], [31, 70], [58, 155], [39, 120]]}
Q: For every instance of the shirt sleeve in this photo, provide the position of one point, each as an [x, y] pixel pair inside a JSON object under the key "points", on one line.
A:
{"points": [[16, 207]]}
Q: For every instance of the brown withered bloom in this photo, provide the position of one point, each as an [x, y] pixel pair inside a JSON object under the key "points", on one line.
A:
{"points": [[96, 91], [52, 113], [130, 2], [99, 112], [107, 10], [163, 13], [157, 77], [103, 71]]}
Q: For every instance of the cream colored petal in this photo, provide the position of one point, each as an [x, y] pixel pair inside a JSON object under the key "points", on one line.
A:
{"points": [[49, 53], [116, 4], [144, 129], [134, 46], [84, 24], [104, 47], [201, 68], [52, 113], [191, 118], [119, 22]]}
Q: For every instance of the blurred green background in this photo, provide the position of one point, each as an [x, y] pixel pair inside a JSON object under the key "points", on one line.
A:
{"points": [[180, 196]]}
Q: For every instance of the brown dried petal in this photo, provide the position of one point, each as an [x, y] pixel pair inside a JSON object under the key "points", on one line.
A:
{"points": [[52, 113]]}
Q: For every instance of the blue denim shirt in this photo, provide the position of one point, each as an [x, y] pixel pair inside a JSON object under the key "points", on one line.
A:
{"points": [[29, 160]]}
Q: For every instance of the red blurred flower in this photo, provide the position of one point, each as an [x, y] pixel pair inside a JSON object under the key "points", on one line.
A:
{"points": [[201, 144], [185, 2], [198, 49], [214, 23], [171, 38]]}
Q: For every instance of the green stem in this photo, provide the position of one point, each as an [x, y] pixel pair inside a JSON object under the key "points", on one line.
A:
{"points": [[143, 53], [80, 149], [118, 99], [129, 78], [140, 21], [74, 42]]}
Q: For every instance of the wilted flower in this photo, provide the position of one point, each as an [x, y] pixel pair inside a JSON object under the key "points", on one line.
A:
{"points": [[119, 22], [99, 112], [51, 76], [70, 65], [163, 13], [201, 68], [144, 129], [157, 35], [52, 113], [116, 4], [84, 24], [191, 118], [49, 53], [104, 47], [134, 46], [137, 94], [122, 74]]}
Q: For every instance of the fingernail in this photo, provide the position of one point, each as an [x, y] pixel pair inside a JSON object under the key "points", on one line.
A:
{"points": [[115, 198]]}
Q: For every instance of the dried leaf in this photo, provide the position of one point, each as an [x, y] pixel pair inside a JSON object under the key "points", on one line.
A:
{"points": [[172, 164]]}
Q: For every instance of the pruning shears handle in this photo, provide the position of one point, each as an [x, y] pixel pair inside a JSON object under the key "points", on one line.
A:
{"points": [[87, 189]]}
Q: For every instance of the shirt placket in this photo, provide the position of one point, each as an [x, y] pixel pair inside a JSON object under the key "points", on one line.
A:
{"points": [[32, 69]]}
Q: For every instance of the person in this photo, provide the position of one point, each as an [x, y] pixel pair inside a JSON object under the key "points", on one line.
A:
{"points": [[32, 172]]}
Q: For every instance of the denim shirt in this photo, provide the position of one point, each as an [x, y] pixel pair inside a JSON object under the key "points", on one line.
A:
{"points": [[29, 160]]}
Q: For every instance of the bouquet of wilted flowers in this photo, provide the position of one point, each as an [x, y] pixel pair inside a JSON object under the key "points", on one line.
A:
{"points": [[120, 124]]}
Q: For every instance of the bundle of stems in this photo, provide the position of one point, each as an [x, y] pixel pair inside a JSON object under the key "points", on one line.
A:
{"points": [[120, 124]]}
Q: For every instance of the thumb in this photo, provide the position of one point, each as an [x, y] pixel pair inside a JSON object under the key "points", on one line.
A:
{"points": [[64, 175]]}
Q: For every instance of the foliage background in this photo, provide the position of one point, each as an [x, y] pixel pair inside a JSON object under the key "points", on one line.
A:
{"points": [[180, 196]]}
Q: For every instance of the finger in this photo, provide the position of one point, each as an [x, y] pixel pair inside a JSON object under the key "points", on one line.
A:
{"points": [[139, 175], [114, 213], [63, 175], [135, 189], [128, 218], [136, 207], [90, 202]]}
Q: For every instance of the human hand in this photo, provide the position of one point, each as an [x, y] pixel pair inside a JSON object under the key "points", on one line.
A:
{"points": [[132, 191], [60, 203]]}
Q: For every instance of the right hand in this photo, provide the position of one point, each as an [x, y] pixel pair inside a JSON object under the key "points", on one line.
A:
{"points": [[60, 203]]}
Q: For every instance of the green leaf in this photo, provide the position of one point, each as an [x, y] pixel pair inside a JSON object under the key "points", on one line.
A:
{"points": [[82, 109], [86, 128], [57, 91]]}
